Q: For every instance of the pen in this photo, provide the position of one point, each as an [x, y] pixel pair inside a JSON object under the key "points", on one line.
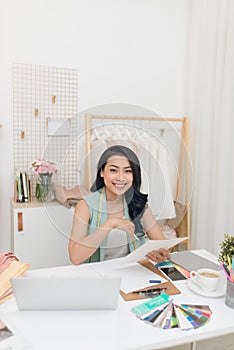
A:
{"points": [[149, 291], [154, 281], [149, 294], [226, 268], [135, 236], [229, 261]]}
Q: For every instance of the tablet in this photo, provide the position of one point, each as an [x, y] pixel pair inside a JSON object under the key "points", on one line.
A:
{"points": [[172, 273]]}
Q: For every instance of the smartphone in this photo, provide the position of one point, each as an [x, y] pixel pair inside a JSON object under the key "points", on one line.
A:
{"points": [[172, 273]]}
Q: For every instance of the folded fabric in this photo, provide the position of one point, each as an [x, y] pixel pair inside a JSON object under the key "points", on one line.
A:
{"points": [[7, 297], [15, 269], [71, 202], [180, 218], [70, 197], [168, 232], [6, 259], [8, 294]]}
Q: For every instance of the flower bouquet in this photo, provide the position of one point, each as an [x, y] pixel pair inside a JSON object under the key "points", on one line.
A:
{"points": [[44, 170]]}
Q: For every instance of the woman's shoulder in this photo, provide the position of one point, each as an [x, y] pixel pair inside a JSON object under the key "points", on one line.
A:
{"points": [[92, 203], [81, 207], [92, 198]]}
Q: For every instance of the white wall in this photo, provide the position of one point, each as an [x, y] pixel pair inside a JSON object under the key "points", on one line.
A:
{"points": [[128, 51]]}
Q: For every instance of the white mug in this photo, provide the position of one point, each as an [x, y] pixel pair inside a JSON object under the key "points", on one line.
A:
{"points": [[207, 279]]}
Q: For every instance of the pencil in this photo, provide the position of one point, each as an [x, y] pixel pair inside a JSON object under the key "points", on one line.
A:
{"points": [[230, 269], [224, 269], [135, 236]]}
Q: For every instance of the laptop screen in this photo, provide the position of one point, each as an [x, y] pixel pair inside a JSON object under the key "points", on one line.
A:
{"points": [[191, 261], [55, 293]]}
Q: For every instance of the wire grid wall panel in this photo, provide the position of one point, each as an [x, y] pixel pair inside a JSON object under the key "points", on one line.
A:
{"points": [[39, 93]]}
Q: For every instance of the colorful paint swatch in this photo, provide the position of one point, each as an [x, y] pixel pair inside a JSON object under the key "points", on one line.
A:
{"points": [[166, 324], [160, 320], [151, 304], [174, 320], [193, 317], [167, 315]]}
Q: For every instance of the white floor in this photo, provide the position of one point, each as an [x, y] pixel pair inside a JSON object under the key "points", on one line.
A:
{"points": [[218, 343]]}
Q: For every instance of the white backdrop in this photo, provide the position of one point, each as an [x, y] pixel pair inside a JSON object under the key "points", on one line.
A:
{"points": [[125, 51], [136, 52], [211, 107]]}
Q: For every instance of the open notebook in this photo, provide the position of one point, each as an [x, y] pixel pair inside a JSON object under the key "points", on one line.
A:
{"points": [[66, 293]]}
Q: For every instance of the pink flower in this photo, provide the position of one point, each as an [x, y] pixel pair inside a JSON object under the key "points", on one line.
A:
{"points": [[41, 166]]}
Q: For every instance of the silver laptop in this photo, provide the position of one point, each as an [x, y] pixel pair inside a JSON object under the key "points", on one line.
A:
{"points": [[191, 261], [55, 293]]}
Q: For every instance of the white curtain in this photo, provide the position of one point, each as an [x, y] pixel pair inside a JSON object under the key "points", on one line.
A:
{"points": [[210, 104]]}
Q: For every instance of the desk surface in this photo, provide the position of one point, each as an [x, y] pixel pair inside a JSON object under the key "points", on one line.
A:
{"points": [[114, 329]]}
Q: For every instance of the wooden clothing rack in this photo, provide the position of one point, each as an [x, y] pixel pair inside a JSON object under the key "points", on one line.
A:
{"points": [[183, 162]]}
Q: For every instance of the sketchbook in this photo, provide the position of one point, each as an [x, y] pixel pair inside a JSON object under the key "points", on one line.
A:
{"points": [[140, 253]]}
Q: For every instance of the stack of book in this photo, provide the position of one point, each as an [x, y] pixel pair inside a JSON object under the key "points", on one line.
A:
{"points": [[23, 192]]}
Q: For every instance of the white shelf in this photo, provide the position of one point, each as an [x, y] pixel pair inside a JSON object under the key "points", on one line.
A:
{"points": [[41, 232], [35, 204]]}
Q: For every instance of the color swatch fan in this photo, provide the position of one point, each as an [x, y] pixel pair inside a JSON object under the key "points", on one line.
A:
{"points": [[163, 313]]}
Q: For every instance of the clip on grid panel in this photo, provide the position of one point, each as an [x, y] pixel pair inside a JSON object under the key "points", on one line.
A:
{"points": [[40, 93]]}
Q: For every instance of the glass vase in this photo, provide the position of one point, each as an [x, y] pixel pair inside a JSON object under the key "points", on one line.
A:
{"points": [[45, 190]]}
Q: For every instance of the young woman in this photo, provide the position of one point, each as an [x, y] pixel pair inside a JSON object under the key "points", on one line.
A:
{"points": [[113, 220]]}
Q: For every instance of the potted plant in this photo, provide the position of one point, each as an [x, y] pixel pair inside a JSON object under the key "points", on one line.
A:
{"points": [[226, 248], [226, 257]]}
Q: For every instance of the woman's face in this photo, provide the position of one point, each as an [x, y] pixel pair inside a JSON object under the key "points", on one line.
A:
{"points": [[117, 175]]}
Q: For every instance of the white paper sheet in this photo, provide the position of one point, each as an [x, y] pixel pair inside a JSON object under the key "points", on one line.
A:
{"points": [[104, 267], [11, 339], [140, 253], [135, 276]]}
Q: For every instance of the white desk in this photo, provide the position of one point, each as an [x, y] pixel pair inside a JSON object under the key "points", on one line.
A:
{"points": [[118, 329]]}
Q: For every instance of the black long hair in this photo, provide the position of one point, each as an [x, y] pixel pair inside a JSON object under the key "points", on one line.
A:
{"points": [[136, 200]]}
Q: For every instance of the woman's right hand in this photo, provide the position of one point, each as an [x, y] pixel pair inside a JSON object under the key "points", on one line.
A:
{"points": [[122, 224]]}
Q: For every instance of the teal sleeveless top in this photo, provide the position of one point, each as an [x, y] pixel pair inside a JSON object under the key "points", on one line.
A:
{"points": [[96, 202]]}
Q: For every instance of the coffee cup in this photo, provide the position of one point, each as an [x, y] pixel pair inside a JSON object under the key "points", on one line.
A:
{"points": [[206, 279]]}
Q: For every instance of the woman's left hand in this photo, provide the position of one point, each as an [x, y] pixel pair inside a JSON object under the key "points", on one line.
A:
{"points": [[158, 255]]}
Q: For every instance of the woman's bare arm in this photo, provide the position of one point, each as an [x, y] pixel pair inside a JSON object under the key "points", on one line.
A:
{"points": [[153, 232], [83, 245], [150, 225]]}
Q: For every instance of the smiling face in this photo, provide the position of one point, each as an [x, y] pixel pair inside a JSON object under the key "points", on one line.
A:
{"points": [[117, 175]]}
